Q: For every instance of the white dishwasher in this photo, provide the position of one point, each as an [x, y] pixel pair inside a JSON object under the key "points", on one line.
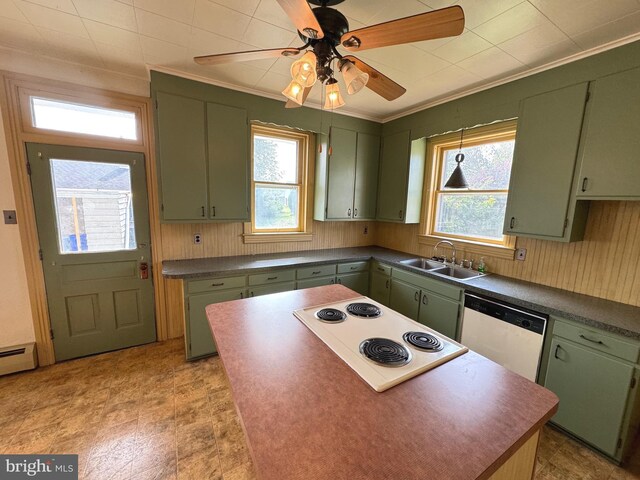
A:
{"points": [[510, 336]]}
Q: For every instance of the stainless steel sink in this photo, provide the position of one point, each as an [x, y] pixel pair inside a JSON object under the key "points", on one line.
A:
{"points": [[422, 263], [457, 272]]}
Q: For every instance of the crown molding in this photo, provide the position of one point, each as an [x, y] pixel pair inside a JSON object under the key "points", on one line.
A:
{"points": [[526, 73], [252, 91]]}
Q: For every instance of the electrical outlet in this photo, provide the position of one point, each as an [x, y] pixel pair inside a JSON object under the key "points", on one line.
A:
{"points": [[10, 217], [521, 253], [366, 229], [197, 238]]}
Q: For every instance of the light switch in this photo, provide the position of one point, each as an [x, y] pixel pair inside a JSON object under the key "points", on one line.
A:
{"points": [[10, 217]]}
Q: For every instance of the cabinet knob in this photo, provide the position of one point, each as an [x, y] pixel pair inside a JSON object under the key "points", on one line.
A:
{"points": [[415, 296], [349, 213], [512, 223], [425, 300], [355, 212], [400, 214], [585, 181], [386, 285], [202, 207], [555, 353], [213, 211], [339, 281]]}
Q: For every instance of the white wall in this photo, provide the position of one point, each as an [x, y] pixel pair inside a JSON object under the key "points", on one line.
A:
{"points": [[16, 324]]}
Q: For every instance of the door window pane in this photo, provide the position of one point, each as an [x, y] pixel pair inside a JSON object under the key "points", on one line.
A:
{"points": [[276, 207], [76, 118], [94, 209]]}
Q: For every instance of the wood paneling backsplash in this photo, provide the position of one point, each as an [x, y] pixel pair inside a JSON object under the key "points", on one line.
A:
{"points": [[605, 264], [225, 239]]}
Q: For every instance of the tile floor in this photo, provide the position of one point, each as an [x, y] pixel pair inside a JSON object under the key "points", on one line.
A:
{"points": [[146, 414]]}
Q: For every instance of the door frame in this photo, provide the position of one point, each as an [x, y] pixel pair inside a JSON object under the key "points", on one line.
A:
{"points": [[14, 87]]}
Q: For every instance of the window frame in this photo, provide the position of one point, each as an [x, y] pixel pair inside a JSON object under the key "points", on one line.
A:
{"points": [[436, 149], [304, 183], [28, 124]]}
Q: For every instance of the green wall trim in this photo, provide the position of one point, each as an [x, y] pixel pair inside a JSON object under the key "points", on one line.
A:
{"points": [[261, 109], [502, 102]]}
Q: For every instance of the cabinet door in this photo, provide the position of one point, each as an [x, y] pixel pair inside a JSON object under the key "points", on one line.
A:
{"points": [[610, 166], [439, 313], [544, 162], [366, 187], [355, 281], [200, 341], [593, 390], [392, 184], [380, 288], [405, 298], [227, 139], [342, 171], [182, 158]]}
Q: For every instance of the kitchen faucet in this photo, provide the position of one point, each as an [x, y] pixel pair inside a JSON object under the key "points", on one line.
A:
{"points": [[453, 247]]}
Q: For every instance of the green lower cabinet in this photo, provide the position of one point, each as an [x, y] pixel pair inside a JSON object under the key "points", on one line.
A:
{"points": [[355, 281], [274, 288], [315, 282], [199, 339], [594, 389], [380, 287], [405, 299], [440, 314]]}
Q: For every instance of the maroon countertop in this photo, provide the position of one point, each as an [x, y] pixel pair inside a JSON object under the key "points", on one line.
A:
{"points": [[307, 415]]}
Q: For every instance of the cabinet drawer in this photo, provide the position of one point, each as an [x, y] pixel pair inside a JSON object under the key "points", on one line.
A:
{"points": [[269, 289], [434, 286], [315, 282], [380, 268], [353, 267], [317, 271], [597, 340], [212, 284], [272, 277]]}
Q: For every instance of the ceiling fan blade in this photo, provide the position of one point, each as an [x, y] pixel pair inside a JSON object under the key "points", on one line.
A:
{"points": [[378, 83], [446, 22], [246, 56], [292, 104], [303, 17]]}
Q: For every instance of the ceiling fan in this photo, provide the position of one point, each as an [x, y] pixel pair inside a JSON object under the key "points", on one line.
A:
{"points": [[323, 29]]}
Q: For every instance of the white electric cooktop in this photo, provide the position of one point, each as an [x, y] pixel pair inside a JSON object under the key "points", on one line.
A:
{"points": [[381, 345]]}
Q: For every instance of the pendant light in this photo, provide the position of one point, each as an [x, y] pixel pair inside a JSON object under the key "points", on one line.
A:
{"points": [[333, 97], [303, 71], [354, 78], [295, 92], [457, 180]]}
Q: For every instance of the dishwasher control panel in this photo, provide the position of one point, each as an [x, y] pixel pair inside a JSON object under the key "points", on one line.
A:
{"points": [[506, 312]]}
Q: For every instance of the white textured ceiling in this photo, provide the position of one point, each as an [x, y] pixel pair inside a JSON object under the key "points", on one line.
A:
{"points": [[502, 38]]}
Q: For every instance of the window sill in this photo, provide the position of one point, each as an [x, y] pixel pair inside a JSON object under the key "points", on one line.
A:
{"points": [[506, 252], [277, 237]]}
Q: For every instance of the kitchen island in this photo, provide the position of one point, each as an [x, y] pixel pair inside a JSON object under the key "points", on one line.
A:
{"points": [[307, 415]]}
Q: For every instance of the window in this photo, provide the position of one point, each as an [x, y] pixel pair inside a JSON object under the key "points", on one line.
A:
{"points": [[278, 180], [93, 203], [476, 214], [50, 114]]}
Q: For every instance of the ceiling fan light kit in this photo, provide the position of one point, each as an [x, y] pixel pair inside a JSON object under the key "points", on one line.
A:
{"points": [[324, 29], [333, 97]]}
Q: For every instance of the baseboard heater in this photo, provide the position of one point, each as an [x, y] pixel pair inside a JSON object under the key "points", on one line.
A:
{"points": [[17, 358]]}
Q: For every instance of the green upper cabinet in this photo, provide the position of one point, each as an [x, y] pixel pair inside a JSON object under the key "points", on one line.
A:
{"points": [[610, 169], [346, 176], [341, 174], [227, 139], [540, 203], [366, 187], [182, 157], [203, 160], [400, 178]]}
